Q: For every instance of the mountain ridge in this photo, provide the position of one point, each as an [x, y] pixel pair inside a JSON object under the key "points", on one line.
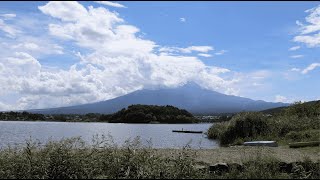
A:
{"points": [[191, 97]]}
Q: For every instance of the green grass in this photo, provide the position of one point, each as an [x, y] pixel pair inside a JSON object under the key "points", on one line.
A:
{"points": [[74, 159], [300, 122]]}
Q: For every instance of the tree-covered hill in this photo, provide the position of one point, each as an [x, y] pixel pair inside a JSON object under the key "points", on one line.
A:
{"points": [[150, 114], [311, 108]]}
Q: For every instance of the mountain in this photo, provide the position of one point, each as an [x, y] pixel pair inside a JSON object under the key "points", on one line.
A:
{"points": [[191, 97]]}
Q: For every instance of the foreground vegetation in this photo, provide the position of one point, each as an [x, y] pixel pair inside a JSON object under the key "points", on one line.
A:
{"points": [[73, 159], [133, 114], [299, 122]]}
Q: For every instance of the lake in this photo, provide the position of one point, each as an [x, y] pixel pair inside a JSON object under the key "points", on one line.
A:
{"points": [[161, 135]]}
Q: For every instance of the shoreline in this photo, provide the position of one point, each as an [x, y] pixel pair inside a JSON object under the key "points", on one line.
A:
{"points": [[98, 122]]}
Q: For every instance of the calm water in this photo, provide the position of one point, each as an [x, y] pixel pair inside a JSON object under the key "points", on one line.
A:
{"points": [[161, 135]]}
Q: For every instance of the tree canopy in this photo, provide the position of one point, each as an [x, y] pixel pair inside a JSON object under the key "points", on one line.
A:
{"points": [[149, 114]]}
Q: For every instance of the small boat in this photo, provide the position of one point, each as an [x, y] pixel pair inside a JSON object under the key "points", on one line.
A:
{"points": [[261, 143], [304, 144], [182, 131]]}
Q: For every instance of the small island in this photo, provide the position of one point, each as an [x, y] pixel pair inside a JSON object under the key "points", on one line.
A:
{"points": [[150, 114], [132, 114]]}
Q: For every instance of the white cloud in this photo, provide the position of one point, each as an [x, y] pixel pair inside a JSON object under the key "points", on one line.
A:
{"points": [[310, 33], [9, 29], [220, 52], [33, 48], [36, 46], [280, 98], [97, 28], [202, 49], [21, 64], [299, 23], [190, 49], [64, 10], [295, 69], [8, 16], [309, 40], [310, 68], [260, 74], [248, 83], [108, 3], [289, 99], [313, 19], [294, 48], [28, 46], [307, 69], [169, 49], [117, 62], [183, 19], [297, 56], [205, 55]]}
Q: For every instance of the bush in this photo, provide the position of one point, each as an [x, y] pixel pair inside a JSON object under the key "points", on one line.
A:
{"points": [[217, 129], [300, 122], [311, 135], [244, 125]]}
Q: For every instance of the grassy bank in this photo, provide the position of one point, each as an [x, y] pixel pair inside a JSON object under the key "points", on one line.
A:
{"points": [[299, 122], [72, 159]]}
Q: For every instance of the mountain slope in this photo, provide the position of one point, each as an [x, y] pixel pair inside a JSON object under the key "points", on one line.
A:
{"points": [[297, 108], [190, 97]]}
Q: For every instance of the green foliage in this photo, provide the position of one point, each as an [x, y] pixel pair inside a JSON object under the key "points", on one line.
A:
{"points": [[216, 130], [244, 125], [133, 114], [74, 159], [26, 116], [310, 135], [307, 109], [20, 116], [151, 113], [299, 122]]}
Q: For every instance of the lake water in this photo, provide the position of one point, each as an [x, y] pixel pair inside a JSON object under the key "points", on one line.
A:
{"points": [[161, 135]]}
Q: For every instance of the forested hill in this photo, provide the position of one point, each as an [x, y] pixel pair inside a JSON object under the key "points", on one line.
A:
{"points": [[298, 108], [150, 114]]}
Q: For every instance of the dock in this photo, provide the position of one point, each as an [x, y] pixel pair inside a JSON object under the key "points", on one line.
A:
{"points": [[184, 131]]}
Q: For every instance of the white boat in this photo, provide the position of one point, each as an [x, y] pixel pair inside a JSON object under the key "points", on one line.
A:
{"points": [[261, 143]]}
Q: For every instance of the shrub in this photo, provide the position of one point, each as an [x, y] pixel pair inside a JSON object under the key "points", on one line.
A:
{"points": [[295, 123], [312, 135], [217, 129], [244, 125]]}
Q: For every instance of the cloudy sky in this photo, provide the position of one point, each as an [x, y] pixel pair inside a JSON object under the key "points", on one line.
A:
{"points": [[65, 53]]}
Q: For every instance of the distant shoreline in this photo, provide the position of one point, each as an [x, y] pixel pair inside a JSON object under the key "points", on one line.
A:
{"points": [[99, 122]]}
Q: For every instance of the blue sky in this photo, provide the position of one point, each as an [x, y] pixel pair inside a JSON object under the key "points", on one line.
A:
{"points": [[97, 51]]}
